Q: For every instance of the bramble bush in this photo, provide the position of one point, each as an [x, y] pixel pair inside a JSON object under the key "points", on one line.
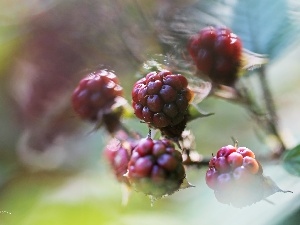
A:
{"points": [[165, 101], [156, 93]]}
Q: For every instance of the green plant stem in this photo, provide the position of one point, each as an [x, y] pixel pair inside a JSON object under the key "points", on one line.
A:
{"points": [[264, 116], [272, 118]]}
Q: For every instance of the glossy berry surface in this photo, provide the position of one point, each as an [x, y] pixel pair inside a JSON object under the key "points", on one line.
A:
{"points": [[174, 131], [235, 176], [155, 167], [117, 155], [216, 53], [95, 94], [161, 98]]}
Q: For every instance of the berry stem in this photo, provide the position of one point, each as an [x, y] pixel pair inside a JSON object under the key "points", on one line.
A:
{"points": [[272, 118], [149, 133], [235, 141], [198, 163], [263, 113]]}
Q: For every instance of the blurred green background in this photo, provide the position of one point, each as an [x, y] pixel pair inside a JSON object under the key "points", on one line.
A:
{"points": [[51, 165]]}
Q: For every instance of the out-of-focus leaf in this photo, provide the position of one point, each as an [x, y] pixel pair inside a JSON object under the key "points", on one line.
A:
{"points": [[266, 27], [291, 161], [9, 42], [201, 89]]}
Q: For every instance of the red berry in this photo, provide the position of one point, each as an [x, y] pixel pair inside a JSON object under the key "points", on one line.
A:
{"points": [[217, 53], [242, 175], [226, 150], [168, 162], [118, 155], [161, 98], [212, 162], [205, 61], [143, 166], [211, 178], [208, 37], [158, 175], [224, 182], [155, 167], [235, 176], [94, 96], [144, 147], [174, 131], [250, 164], [222, 165], [245, 152], [235, 160]]}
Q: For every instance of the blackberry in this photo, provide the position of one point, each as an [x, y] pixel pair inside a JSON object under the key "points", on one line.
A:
{"points": [[161, 98], [235, 176], [155, 167], [117, 154], [174, 132], [94, 97], [217, 53]]}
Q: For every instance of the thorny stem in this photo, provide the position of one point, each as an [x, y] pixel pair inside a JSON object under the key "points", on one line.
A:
{"points": [[265, 117], [197, 163], [272, 117]]}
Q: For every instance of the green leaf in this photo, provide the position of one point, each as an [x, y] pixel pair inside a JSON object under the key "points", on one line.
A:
{"points": [[195, 112], [291, 161], [266, 27]]}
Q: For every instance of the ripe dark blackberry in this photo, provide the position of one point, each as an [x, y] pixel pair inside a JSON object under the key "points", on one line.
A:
{"points": [[235, 176], [155, 167], [161, 98], [94, 97], [174, 132], [118, 154], [217, 54]]}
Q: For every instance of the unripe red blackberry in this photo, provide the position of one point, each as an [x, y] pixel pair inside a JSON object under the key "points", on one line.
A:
{"points": [[161, 98], [235, 176], [217, 54], [118, 154], [155, 167], [94, 97]]}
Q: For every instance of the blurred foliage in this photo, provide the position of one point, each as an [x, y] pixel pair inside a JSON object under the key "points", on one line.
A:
{"points": [[51, 169], [291, 161]]}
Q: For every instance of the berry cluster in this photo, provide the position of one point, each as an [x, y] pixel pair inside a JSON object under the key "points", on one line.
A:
{"points": [[94, 96], [161, 98], [155, 167], [235, 176], [217, 54]]}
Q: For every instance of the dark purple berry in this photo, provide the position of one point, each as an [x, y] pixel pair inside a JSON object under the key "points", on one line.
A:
{"points": [[94, 97], [161, 98], [217, 53], [155, 167]]}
